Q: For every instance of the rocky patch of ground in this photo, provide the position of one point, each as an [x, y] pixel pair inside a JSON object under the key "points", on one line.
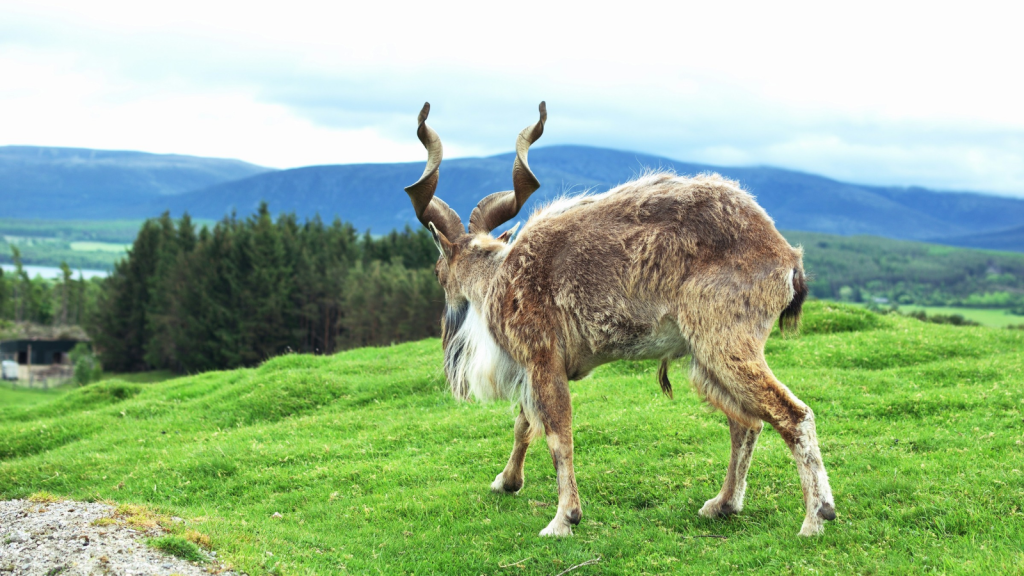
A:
{"points": [[82, 538]]}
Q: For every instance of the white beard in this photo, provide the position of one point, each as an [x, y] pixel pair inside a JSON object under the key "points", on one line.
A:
{"points": [[475, 364]]}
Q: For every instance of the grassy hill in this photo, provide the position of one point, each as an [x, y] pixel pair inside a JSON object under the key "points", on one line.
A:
{"points": [[375, 469]]}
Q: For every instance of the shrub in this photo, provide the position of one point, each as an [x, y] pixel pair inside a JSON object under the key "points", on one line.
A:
{"points": [[954, 319], [831, 318], [86, 365]]}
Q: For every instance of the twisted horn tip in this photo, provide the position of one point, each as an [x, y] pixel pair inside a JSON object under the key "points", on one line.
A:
{"points": [[424, 112], [543, 111]]}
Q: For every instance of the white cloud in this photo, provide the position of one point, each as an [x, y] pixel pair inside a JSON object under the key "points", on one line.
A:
{"points": [[55, 103], [881, 92]]}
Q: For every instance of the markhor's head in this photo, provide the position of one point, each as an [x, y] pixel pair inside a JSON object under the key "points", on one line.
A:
{"points": [[462, 266]]}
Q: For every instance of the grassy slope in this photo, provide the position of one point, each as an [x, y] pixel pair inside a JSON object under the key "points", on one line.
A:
{"points": [[375, 469]]}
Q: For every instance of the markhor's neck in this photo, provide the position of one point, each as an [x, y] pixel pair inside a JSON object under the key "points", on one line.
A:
{"points": [[486, 274]]}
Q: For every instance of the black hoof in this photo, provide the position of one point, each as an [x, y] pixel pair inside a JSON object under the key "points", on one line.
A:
{"points": [[574, 516], [827, 511], [512, 487]]}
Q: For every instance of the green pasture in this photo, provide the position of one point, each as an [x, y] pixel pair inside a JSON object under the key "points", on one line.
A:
{"points": [[91, 244], [115, 231], [116, 248], [991, 317], [375, 469], [51, 251]]}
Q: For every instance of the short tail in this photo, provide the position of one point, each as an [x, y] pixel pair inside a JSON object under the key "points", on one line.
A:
{"points": [[790, 317], [666, 386]]}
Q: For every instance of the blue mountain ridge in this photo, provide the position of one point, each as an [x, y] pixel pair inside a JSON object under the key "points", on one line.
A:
{"points": [[371, 196], [74, 183], [79, 183]]}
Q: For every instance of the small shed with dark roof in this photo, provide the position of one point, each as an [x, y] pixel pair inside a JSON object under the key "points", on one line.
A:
{"points": [[37, 352]]}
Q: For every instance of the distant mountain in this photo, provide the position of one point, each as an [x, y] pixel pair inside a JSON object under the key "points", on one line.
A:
{"points": [[78, 183], [371, 196], [67, 183]]}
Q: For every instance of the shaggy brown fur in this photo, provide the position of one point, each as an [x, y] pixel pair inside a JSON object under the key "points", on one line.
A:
{"points": [[657, 268]]}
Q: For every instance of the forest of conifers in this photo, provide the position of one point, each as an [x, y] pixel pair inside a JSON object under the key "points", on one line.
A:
{"points": [[249, 289]]}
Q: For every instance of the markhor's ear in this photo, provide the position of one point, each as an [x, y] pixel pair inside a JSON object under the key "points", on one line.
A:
{"points": [[446, 248], [506, 236]]}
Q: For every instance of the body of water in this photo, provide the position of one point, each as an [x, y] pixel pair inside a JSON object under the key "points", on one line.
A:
{"points": [[54, 272]]}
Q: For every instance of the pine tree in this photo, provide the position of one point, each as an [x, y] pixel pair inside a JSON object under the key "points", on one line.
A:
{"points": [[18, 285], [65, 293], [4, 298], [163, 311], [119, 326], [78, 300]]}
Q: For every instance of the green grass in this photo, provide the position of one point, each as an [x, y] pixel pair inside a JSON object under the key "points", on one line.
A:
{"points": [[374, 468], [177, 546], [11, 396], [140, 377]]}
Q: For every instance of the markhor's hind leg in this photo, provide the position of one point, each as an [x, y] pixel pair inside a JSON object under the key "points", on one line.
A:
{"points": [[730, 499], [511, 478], [749, 381]]}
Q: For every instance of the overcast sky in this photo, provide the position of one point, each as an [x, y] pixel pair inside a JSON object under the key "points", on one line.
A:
{"points": [[874, 92]]}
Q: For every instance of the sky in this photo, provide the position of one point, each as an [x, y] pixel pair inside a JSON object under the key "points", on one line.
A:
{"points": [[890, 93]]}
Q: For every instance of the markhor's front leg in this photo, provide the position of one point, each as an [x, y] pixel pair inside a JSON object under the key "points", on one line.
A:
{"points": [[551, 391], [510, 480]]}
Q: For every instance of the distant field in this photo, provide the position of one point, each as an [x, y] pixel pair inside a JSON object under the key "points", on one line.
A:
{"points": [[362, 463], [100, 247], [866, 267], [88, 244], [993, 318], [50, 251], [116, 231], [985, 317]]}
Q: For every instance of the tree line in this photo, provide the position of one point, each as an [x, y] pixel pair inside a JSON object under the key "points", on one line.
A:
{"points": [[64, 301], [248, 289]]}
